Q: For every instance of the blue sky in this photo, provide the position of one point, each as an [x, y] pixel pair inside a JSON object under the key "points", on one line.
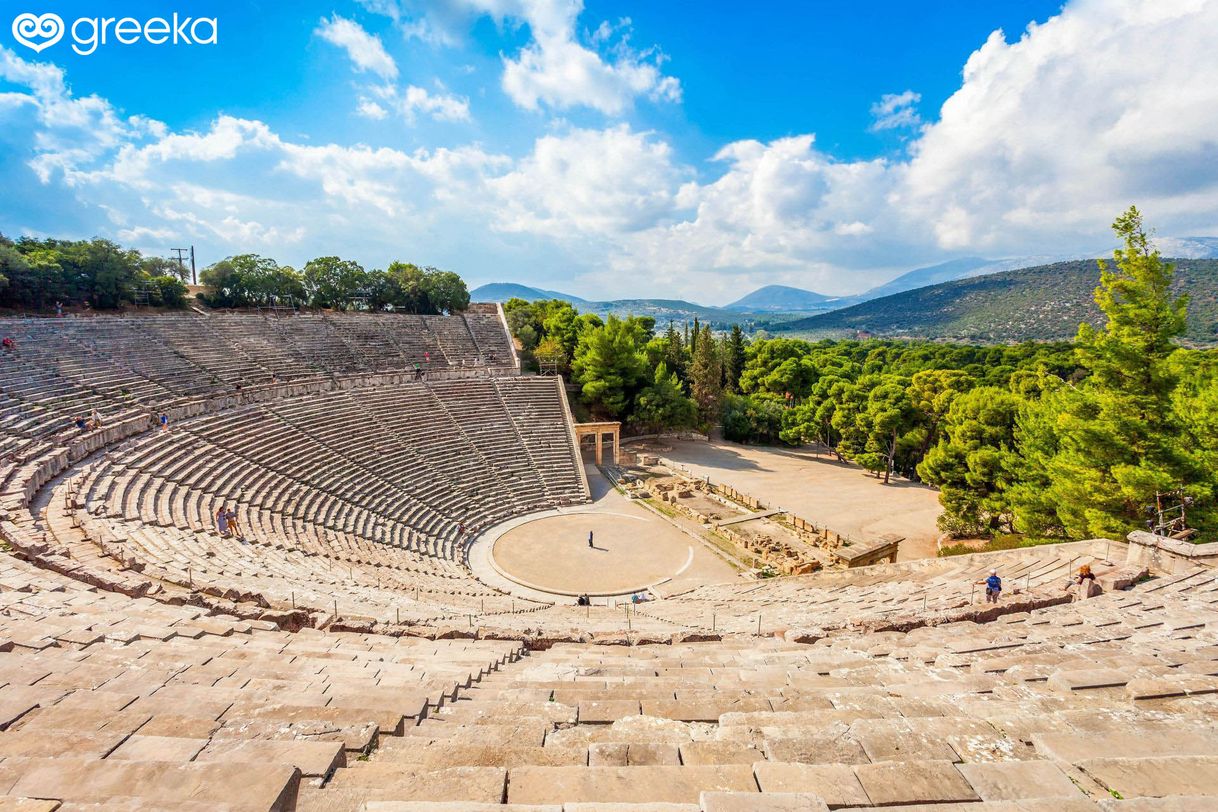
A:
{"points": [[620, 149]]}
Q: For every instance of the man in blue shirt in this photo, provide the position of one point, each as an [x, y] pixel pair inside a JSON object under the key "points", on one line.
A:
{"points": [[993, 587]]}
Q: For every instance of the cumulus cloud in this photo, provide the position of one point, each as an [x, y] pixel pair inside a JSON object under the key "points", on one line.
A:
{"points": [[441, 106], [557, 68], [896, 111], [559, 71], [365, 50], [1111, 102], [598, 183], [370, 109], [1048, 137]]}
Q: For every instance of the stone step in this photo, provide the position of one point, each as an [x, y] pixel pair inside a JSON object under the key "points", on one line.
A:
{"points": [[626, 785], [396, 782], [266, 787]]}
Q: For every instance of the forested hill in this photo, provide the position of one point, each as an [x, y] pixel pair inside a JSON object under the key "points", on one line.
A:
{"points": [[1046, 302]]}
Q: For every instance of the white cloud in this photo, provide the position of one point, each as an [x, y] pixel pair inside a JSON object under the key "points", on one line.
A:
{"points": [[554, 68], [440, 106], [598, 183], [896, 111], [557, 70], [1047, 139], [370, 109], [1112, 102], [363, 49]]}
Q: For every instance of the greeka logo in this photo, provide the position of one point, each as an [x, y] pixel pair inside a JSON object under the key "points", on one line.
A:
{"points": [[40, 31], [49, 27]]}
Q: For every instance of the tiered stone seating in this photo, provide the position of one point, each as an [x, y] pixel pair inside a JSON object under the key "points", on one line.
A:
{"points": [[1043, 710], [842, 598], [352, 502], [146, 663], [63, 367], [486, 324], [141, 705]]}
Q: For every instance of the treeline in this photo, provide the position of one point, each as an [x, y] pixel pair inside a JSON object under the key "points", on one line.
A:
{"points": [[37, 274], [627, 371], [1066, 440], [249, 280]]}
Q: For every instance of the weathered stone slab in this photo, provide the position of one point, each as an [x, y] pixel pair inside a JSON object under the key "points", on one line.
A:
{"points": [[568, 785], [453, 806], [1074, 747], [895, 744], [1156, 777], [158, 748], [467, 784], [835, 783], [608, 710], [52, 743], [441, 754], [1018, 780], [1179, 803], [614, 807], [1171, 686], [265, 786], [313, 759], [815, 748], [1087, 679], [911, 782], [718, 752], [764, 802]]}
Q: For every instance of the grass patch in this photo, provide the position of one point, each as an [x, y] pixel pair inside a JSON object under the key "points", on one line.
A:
{"points": [[1008, 541]]}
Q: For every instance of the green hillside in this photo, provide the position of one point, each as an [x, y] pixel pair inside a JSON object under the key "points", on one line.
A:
{"points": [[1046, 302]]}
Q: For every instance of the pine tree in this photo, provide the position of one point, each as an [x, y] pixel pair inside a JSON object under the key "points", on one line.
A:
{"points": [[973, 461], [1119, 437], [609, 365], [663, 405]]}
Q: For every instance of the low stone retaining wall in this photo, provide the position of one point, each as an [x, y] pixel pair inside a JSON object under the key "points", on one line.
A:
{"points": [[1167, 555]]}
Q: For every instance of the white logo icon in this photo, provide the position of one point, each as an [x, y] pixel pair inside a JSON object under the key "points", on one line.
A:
{"points": [[48, 28]]}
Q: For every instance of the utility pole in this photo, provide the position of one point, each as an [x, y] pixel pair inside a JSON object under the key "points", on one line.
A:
{"points": [[194, 279], [181, 258]]}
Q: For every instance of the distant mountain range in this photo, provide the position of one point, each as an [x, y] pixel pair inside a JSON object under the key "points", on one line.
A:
{"points": [[662, 310], [1046, 302], [782, 299], [502, 291], [799, 309]]}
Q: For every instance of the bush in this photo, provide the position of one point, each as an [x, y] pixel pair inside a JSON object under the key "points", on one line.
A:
{"points": [[170, 291]]}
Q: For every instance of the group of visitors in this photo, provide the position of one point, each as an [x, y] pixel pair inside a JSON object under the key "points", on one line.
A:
{"points": [[227, 525], [93, 421], [1084, 578]]}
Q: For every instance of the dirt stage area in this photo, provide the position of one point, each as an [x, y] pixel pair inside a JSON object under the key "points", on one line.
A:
{"points": [[837, 495], [632, 548]]}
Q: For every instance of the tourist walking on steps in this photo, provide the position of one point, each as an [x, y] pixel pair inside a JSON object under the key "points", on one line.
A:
{"points": [[164, 421], [233, 527], [222, 521], [993, 587]]}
